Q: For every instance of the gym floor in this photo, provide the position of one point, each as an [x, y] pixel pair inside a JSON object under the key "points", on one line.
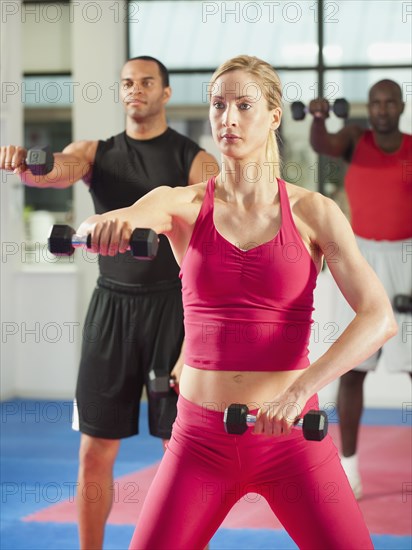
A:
{"points": [[39, 471]]}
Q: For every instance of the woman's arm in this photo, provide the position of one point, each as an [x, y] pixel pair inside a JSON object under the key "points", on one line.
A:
{"points": [[111, 231], [371, 327], [374, 322], [170, 211]]}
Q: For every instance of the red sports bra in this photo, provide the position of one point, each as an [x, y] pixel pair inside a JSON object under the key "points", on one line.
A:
{"points": [[247, 310]]}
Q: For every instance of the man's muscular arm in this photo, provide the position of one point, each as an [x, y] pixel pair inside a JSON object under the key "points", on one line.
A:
{"points": [[341, 143], [74, 163], [203, 167]]}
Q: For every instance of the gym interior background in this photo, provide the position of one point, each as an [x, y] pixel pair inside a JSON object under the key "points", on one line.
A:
{"points": [[60, 64]]}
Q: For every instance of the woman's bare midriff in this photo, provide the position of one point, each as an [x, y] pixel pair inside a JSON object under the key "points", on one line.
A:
{"points": [[225, 387]]}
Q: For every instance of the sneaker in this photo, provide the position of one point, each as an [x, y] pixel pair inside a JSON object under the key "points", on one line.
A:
{"points": [[350, 465]]}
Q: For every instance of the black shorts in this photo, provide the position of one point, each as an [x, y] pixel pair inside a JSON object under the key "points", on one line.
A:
{"points": [[129, 330]]}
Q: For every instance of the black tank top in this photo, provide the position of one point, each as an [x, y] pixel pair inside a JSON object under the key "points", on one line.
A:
{"points": [[124, 170]]}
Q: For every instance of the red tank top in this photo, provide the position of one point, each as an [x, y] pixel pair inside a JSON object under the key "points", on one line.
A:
{"points": [[247, 310], [379, 190]]}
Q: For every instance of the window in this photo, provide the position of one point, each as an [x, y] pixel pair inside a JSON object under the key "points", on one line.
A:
{"points": [[334, 48], [47, 97]]}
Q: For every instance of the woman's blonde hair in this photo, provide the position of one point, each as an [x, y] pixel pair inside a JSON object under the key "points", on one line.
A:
{"points": [[271, 89]]}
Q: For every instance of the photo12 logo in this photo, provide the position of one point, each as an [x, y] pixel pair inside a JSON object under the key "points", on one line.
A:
{"points": [[69, 12], [270, 12]]}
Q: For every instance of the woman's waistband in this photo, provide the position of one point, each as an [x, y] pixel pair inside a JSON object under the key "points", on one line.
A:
{"points": [[211, 413]]}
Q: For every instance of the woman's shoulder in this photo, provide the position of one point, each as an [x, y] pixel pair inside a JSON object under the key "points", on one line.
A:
{"points": [[301, 197], [189, 194], [183, 203], [311, 207], [180, 194]]}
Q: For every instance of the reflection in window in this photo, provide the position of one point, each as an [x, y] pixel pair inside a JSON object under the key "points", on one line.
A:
{"points": [[380, 32], [197, 34]]}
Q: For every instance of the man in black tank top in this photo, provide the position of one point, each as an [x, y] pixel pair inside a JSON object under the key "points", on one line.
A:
{"points": [[135, 320]]}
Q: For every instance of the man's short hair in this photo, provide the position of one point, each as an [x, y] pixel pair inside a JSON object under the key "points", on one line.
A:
{"points": [[164, 73]]}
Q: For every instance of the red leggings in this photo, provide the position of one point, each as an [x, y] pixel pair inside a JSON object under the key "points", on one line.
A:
{"points": [[205, 471]]}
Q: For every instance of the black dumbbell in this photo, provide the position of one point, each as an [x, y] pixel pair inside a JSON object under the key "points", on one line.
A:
{"points": [[40, 160], [314, 423], [160, 384], [63, 240], [340, 108], [402, 303]]}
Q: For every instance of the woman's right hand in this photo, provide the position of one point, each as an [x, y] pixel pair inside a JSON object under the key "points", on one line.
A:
{"points": [[108, 236]]}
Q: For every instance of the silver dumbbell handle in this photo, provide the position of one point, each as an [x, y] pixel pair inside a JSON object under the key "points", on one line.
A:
{"points": [[85, 241], [80, 240], [251, 419]]}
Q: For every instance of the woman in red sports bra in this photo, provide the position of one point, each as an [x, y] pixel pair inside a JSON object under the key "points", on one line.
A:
{"points": [[250, 247]]}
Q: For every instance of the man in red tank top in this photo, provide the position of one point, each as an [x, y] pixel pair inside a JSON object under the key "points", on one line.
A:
{"points": [[378, 186]]}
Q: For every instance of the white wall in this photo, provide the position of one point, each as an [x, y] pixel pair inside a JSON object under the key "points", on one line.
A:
{"points": [[98, 53], [46, 331], [44, 23], [11, 125], [41, 299]]}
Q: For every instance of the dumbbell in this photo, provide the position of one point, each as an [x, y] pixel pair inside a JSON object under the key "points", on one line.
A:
{"points": [[63, 240], [40, 160], [160, 385], [340, 108], [402, 303], [314, 424]]}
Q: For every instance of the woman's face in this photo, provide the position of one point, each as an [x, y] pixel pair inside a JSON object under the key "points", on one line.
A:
{"points": [[239, 115]]}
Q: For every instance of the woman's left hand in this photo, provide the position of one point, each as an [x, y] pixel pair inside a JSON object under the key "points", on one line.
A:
{"points": [[277, 417]]}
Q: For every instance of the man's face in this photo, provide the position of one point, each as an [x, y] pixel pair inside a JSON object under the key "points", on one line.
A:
{"points": [[385, 107], [142, 91]]}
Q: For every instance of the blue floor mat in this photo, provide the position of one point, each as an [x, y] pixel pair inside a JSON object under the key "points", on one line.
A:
{"points": [[39, 452]]}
